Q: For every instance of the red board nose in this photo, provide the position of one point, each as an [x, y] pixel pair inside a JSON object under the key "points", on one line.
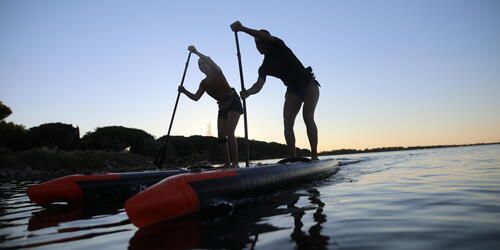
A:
{"points": [[55, 190], [168, 199], [63, 189]]}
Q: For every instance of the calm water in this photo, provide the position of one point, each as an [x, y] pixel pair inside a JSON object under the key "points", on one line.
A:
{"points": [[445, 198]]}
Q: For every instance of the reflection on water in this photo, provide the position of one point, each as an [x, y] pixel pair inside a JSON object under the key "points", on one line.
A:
{"points": [[240, 229], [315, 240], [446, 198], [53, 215], [24, 224]]}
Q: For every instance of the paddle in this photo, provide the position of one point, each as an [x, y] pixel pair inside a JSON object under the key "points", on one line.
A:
{"points": [[160, 156], [247, 163]]}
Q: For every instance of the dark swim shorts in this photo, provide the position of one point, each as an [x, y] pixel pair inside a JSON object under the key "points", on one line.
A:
{"points": [[301, 92], [230, 103]]}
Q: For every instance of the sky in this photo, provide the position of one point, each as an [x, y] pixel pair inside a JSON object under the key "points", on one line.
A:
{"points": [[392, 73]]}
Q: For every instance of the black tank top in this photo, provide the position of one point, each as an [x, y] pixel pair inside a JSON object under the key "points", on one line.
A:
{"points": [[280, 62]]}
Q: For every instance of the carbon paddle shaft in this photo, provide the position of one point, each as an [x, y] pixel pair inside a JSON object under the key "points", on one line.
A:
{"points": [[247, 162], [160, 157]]}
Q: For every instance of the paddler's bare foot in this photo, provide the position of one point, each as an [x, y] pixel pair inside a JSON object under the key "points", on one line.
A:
{"points": [[314, 158]]}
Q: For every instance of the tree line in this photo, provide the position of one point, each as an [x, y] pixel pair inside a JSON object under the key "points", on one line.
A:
{"points": [[66, 137]]}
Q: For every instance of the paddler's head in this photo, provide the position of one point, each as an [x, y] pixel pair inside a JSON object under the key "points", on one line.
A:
{"points": [[262, 46], [203, 65]]}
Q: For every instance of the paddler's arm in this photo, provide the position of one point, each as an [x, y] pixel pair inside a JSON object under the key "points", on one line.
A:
{"points": [[205, 58], [259, 34], [256, 87], [196, 96]]}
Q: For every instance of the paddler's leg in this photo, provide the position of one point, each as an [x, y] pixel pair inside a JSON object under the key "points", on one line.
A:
{"points": [[290, 110], [231, 123], [310, 100], [221, 131]]}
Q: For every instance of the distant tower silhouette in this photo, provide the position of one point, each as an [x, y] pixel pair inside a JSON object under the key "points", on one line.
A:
{"points": [[209, 129]]}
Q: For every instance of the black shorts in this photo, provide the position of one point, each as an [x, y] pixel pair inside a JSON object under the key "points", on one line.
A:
{"points": [[233, 103], [301, 92]]}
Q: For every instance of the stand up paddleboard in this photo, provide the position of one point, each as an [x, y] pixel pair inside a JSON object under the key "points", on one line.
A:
{"points": [[189, 193], [96, 188]]}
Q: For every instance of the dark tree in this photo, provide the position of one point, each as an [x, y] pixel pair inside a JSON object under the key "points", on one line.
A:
{"points": [[4, 111], [13, 136], [55, 135], [118, 138]]}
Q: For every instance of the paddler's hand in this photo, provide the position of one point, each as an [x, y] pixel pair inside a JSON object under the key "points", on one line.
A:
{"points": [[244, 94], [181, 89], [236, 26], [192, 49]]}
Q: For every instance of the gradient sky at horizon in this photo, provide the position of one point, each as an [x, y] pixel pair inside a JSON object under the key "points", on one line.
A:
{"points": [[393, 73]]}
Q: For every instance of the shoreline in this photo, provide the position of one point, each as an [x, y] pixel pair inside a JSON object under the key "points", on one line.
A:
{"points": [[390, 149], [43, 164]]}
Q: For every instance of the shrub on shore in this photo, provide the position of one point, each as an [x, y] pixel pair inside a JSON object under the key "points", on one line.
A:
{"points": [[54, 135], [118, 138], [44, 163], [13, 136]]}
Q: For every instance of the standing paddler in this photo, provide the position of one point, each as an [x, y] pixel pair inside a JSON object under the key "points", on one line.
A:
{"points": [[230, 109], [302, 87]]}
